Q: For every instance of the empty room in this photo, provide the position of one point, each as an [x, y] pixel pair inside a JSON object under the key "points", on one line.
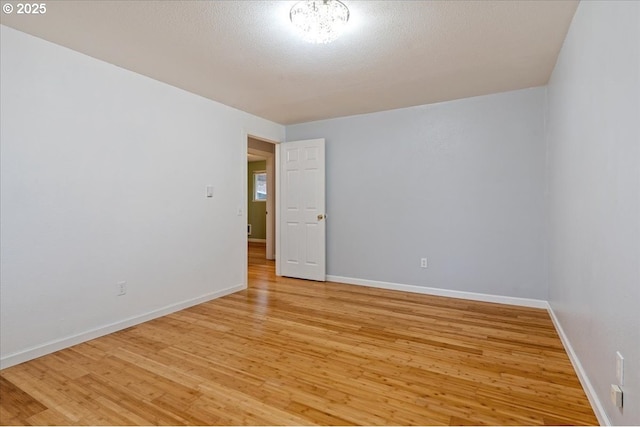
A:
{"points": [[320, 212]]}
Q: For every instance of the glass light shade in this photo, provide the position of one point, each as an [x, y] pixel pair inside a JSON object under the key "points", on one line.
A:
{"points": [[319, 21]]}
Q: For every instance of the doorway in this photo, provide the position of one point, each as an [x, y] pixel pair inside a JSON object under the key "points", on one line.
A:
{"points": [[261, 192]]}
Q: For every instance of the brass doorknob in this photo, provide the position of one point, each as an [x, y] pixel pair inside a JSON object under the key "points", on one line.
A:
{"points": [[320, 217]]}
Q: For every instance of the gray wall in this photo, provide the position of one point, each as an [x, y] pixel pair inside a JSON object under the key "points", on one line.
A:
{"points": [[594, 148], [461, 183]]}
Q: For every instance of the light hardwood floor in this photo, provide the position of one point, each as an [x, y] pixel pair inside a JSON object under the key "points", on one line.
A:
{"points": [[288, 351]]}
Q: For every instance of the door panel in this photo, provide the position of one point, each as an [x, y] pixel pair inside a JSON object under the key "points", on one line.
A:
{"points": [[302, 198], [292, 254]]}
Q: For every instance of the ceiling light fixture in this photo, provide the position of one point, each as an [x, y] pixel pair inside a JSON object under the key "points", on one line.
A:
{"points": [[319, 21]]}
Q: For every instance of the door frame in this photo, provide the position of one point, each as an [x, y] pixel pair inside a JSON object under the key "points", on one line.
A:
{"points": [[245, 135], [277, 204], [270, 202]]}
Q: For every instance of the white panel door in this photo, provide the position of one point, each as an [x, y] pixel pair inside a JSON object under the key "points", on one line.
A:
{"points": [[302, 214]]}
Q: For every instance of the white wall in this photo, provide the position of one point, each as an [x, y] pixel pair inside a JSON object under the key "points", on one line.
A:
{"points": [[103, 180], [594, 148], [461, 183]]}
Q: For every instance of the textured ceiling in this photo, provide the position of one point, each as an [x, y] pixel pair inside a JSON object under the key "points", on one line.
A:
{"points": [[245, 53]]}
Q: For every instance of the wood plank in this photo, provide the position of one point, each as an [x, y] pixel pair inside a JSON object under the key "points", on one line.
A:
{"points": [[16, 404]]}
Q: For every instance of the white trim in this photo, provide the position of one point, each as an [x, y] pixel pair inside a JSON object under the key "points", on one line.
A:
{"points": [[244, 167], [277, 208], [271, 208], [53, 346], [595, 402], [257, 240], [525, 302]]}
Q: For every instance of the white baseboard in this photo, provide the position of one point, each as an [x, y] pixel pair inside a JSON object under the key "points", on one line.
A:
{"points": [[257, 240], [595, 402], [525, 302], [53, 346]]}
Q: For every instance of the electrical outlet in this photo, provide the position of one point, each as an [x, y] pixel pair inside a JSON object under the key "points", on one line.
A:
{"points": [[423, 263], [619, 368], [122, 288]]}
